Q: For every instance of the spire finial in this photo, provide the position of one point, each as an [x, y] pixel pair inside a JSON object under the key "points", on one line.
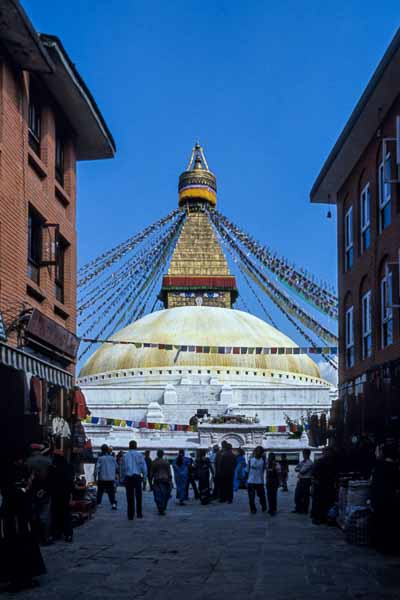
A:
{"points": [[197, 159]]}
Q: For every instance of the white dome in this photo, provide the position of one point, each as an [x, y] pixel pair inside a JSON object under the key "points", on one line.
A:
{"points": [[198, 326]]}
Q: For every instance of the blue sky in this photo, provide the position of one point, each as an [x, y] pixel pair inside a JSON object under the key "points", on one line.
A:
{"points": [[265, 86]]}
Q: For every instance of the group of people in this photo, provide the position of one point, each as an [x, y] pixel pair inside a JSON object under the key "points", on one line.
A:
{"points": [[214, 475]]}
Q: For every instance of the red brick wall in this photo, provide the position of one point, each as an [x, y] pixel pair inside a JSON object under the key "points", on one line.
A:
{"points": [[21, 184], [368, 264]]}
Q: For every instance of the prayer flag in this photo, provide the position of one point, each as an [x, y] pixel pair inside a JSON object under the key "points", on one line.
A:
{"points": [[206, 349], [274, 350], [236, 350], [151, 425], [110, 421], [199, 349], [117, 422], [168, 346], [221, 350], [142, 424], [258, 350], [123, 423], [157, 425], [333, 350], [214, 350], [183, 348], [95, 420], [281, 350], [138, 344], [161, 346], [251, 350], [228, 349], [266, 350], [192, 349], [129, 423], [243, 350], [296, 350]]}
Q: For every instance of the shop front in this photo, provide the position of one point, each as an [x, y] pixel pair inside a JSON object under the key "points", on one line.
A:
{"points": [[38, 399]]}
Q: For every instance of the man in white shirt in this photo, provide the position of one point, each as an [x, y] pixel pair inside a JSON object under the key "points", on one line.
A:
{"points": [[134, 470], [302, 493], [104, 473], [256, 480]]}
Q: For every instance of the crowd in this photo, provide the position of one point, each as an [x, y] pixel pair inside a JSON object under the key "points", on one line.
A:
{"points": [[213, 476], [36, 492]]}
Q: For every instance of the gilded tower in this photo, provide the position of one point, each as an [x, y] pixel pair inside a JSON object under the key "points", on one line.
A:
{"points": [[198, 273]]}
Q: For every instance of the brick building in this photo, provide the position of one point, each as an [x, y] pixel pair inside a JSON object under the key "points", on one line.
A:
{"points": [[362, 176], [48, 121]]}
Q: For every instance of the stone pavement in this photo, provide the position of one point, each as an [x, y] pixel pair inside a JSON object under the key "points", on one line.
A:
{"points": [[212, 553]]}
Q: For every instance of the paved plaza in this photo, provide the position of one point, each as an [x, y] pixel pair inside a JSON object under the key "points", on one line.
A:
{"points": [[215, 552]]}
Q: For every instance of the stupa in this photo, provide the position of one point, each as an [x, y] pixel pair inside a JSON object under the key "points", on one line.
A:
{"points": [[155, 394]]}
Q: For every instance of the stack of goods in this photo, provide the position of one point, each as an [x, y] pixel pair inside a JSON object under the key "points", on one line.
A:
{"points": [[83, 503], [342, 500], [357, 514]]}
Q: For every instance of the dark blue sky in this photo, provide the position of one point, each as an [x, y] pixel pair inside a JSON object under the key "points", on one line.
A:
{"points": [[265, 86]]}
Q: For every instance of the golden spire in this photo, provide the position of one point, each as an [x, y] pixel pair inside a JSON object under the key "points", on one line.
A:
{"points": [[197, 184]]}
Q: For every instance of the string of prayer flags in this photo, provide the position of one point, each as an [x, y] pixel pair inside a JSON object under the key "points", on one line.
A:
{"points": [[224, 349], [166, 426]]}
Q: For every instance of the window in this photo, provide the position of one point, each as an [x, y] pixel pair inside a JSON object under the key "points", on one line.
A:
{"points": [[34, 125], [349, 337], [348, 239], [366, 325], [35, 227], [59, 159], [385, 175], [386, 311], [365, 212], [59, 279]]}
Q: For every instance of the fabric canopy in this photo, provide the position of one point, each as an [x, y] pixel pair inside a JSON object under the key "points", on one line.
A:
{"points": [[18, 359]]}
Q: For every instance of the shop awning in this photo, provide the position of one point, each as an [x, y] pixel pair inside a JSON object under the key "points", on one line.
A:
{"points": [[18, 359]]}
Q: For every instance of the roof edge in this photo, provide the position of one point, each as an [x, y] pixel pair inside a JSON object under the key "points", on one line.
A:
{"points": [[373, 83], [54, 42]]}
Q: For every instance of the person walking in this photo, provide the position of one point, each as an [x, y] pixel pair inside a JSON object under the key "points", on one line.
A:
{"points": [[256, 479], [202, 471], [385, 487], [227, 473], [149, 464], [284, 465], [21, 560], [239, 480], [215, 456], [324, 480], [191, 479], [161, 482], [105, 473], [273, 477], [134, 470], [39, 464], [303, 487], [61, 477], [181, 473]]}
